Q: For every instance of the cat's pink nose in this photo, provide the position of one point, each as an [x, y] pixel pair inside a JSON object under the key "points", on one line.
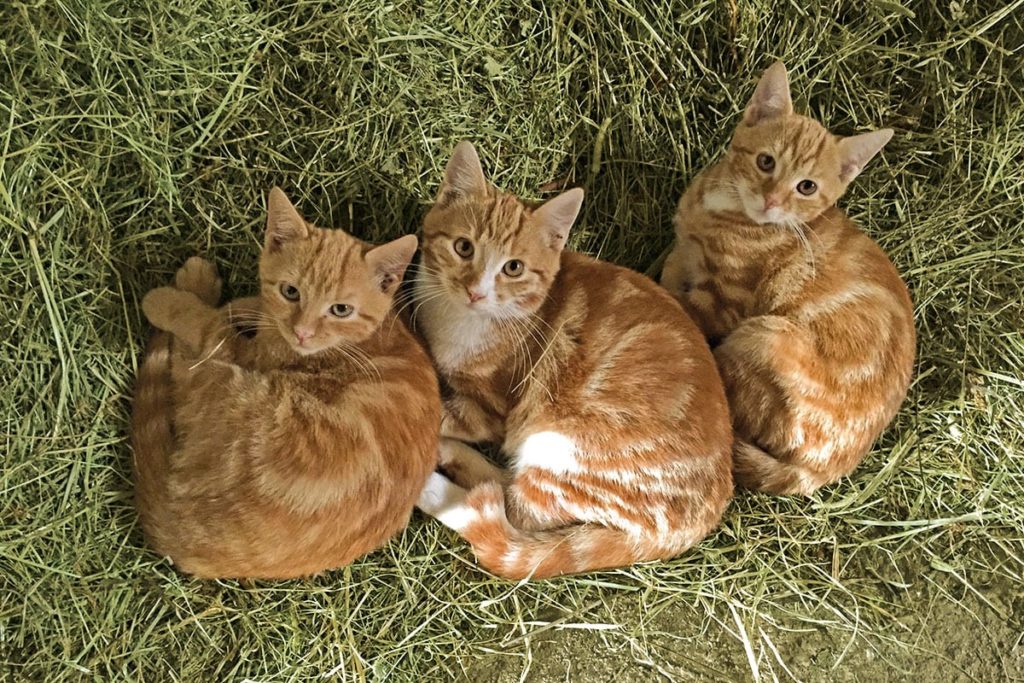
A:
{"points": [[303, 334], [771, 201], [474, 295]]}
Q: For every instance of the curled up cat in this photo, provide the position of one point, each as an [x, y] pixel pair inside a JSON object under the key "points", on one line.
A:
{"points": [[303, 447], [600, 391], [815, 325]]}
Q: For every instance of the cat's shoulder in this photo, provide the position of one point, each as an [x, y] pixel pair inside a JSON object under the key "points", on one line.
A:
{"points": [[610, 283], [844, 233]]}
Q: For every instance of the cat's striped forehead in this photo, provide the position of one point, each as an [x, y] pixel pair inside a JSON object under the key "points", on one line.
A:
{"points": [[324, 262], [330, 256], [796, 142], [499, 219]]}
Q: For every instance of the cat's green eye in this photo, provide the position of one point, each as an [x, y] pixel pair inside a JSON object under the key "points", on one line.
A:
{"points": [[463, 247], [341, 310], [766, 162], [513, 268], [807, 187], [290, 292]]}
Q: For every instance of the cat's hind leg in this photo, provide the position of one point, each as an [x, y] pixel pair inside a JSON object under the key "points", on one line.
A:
{"points": [[467, 466], [445, 501]]}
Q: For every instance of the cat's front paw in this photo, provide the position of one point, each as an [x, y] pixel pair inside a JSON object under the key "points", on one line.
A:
{"points": [[199, 277]]}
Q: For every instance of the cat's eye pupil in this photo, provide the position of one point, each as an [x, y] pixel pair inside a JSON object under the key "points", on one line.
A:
{"points": [[463, 247], [765, 162], [806, 187], [290, 292], [513, 268], [341, 310]]}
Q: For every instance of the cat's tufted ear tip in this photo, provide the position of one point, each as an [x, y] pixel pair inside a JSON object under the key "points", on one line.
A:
{"points": [[577, 194], [465, 148], [463, 175], [856, 151], [389, 261], [284, 223], [771, 97]]}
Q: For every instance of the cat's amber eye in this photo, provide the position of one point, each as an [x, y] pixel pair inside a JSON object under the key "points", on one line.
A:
{"points": [[463, 247], [341, 310], [290, 292], [807, 187], [513, 268], [766, 162]]}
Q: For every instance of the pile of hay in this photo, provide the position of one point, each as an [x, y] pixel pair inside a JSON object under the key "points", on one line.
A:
{"points": [[135, 134]]}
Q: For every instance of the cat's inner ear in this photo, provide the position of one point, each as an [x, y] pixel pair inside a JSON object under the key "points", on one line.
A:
{"points": [[855, 152], [771, 96], [284, 223], [556, 216], [389, 261], [463, 176]]}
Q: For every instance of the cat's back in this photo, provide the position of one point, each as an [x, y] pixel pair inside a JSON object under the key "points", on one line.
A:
{"points": [[861, 254], [309, 476], [851, 273], [614, 300], [407, 407], [632, 344]]}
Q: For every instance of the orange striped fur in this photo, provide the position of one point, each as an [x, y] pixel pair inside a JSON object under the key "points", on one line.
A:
{"points": [[602, 393], [297, 450], [816, 326]]}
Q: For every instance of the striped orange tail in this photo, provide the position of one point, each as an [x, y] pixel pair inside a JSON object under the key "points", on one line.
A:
{"points": [[511, 553], [758, 470]]}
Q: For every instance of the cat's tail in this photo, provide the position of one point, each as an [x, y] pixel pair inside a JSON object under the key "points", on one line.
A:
{"points": [[754, 468], [506, 551], [152, 430]]}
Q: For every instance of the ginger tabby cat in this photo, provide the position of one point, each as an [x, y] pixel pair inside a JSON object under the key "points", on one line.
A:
{"points": [[816, 326], [600, 390], [297, 450]]}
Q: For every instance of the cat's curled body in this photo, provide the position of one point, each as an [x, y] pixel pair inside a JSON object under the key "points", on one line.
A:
{"points": [[602, 394], [815, 325], [297, 450]]}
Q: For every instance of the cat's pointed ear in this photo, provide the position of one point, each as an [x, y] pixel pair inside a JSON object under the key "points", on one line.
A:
{"points": [[771, 96], [389, 261], [855, 152], [557, 215], [463, 176], [284, 223]]}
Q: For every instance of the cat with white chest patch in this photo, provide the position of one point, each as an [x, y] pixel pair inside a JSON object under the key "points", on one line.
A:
{"points": [[598, 388]]}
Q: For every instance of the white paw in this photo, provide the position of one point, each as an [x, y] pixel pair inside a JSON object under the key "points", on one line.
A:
{"points": [[446, 502]]}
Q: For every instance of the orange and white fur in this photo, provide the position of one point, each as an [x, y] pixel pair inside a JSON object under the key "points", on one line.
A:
{"points": [[601, 392], [297, 450], [815, 325]]}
